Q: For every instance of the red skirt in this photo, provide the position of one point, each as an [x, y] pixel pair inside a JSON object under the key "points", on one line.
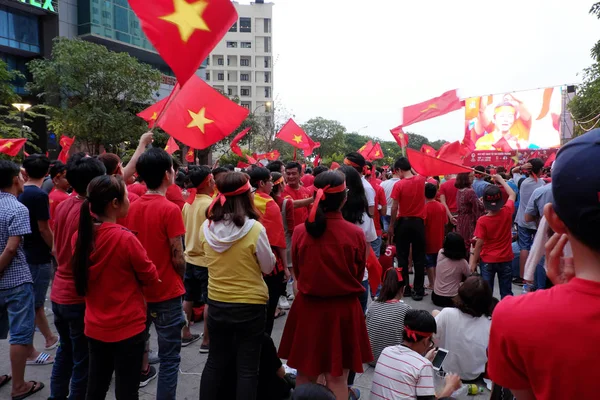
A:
{"points": [[326, 335]]}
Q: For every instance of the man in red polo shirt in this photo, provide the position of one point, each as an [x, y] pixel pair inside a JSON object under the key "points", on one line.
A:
{"points": [[409, 210], [299, 194], [448, 192]]}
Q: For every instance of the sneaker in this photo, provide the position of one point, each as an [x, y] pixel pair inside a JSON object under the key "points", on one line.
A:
{"points": [[417, 297], [518, 281], [153, 357], [187, 341], [283, 303], [203, 349], [146, 377], [353, 394], [290, 297]]}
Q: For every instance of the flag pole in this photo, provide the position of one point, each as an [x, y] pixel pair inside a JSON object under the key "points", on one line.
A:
{"points": [[171, 97]]}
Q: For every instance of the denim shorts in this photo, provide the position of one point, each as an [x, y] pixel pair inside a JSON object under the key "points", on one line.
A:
{"points": [[17, 314], [526, 236], [195, 282], [431, 260], [41, 274]]}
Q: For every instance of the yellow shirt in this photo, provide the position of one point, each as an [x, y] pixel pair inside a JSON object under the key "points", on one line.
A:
{"points": [[234, 276], [194, 216]]}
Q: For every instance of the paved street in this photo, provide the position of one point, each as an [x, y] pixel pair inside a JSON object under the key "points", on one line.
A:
{"points": [[192, 363]]}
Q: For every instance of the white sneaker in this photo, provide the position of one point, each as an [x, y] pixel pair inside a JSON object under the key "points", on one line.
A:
{"points": [[283, 303], [291, 297]]}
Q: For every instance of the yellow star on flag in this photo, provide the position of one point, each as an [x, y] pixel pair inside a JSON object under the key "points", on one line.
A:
{"points": [[154, 116], [427, 151], [190, 153], [7, 145], [187, 17], [362, 148], [166, 147], [430, 107], [377, 153], [199, 119], [272, 155], [297, 139]]}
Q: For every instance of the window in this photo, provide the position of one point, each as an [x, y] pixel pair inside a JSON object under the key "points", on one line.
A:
{"points": [[221, 76], [228, 61], [208, 61], [19, 30], [232, 45], [267, 25], [267, 77], [208, 76], [121, 22], [267, 92], [267, 45], [220, 61], [246, 105], [233, 27], [245, 24], [267, 62], [228, 77], [245, 92], [244, 62], [244, 77], [229, 91], [246, 45]]}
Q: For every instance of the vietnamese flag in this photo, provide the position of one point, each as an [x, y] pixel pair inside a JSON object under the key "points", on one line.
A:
{"points": [[11, 147], [502, 145], [451, 152], [431, 166], [150, 114], [200, 116], [431, 108], [550, 160], [317, 161], [65, 144], [184, 32], [271, 156], [270, 218], [400, 137], [189, 156], [242, 165], [251, 160], [234, 143], [171, 146], [291, 133], [376, 153], [365, 149], [427, 149], [374, 268]]}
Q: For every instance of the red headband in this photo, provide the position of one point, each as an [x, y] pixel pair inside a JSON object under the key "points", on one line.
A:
{"points": [[204, 183], [278, 181], [413, 334], [321, 195], [221, 197], [399, 273], [350, 163]]}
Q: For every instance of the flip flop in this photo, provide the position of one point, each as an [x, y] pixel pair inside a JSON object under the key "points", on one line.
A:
{"points": [[7, 379], [42, 359], [36, 387], [55, 345], [281, 314]]}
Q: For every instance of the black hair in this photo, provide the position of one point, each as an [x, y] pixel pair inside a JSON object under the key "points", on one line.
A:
{"points": [[111, 162], [81, 169], [236, 208], [229, 167], [181, 179], [402, 164], [463, 180], [390, 285], [152, 166], [308, 170], [57, 168], [536, 165], [257, 175], [475, 297], [421, 321], [357, 159], [312, 391], [102, 190], [430, 191], [319, 170], [220, 170], [8, 170], [454, 246], [198, 175], [479, 168], [331, 202], [275, 166], [176, 164], [356, 204], [292, 165], [36, 166]]}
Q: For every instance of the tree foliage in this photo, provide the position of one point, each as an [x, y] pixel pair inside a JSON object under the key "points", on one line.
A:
{"points": [[93, 93]]}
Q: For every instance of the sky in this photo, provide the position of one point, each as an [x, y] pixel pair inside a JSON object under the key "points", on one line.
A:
{"points": [[360, 62]]}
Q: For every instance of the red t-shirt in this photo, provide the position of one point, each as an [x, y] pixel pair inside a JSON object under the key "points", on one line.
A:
{"points": [[132, 198], [115, 308], [155, 220], [380, 200], [450, 191], [174, 195], [300, 214], [307, 180], [435, 221], [137, 188], [55, 198], [527, 347], [495, 230], [66, 223], [410, 194], [387, 259]]}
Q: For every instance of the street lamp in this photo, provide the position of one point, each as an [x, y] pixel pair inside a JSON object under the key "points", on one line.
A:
{"points": [[22, 107]]}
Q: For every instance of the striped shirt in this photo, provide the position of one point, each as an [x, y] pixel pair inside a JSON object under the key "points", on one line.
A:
{"points": [[385, 325], [402, 373], [14, 221]]}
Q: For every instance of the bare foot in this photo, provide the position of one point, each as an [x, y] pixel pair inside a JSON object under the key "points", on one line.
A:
{"points": [[27, 387], [51, 342]]}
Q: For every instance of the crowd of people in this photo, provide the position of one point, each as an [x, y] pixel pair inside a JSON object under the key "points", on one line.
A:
{"points": [[123, 248]]}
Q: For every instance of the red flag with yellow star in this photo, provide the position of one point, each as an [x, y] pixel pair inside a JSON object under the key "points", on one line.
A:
{"points": [[65, 144], [150, 114], [291, 133], [271, 156], [432, 108], [365, 149], [431, 166], [11, 147], [199, 116], [400, 137], [427, 149], [189, 156], [375, 154], [171, 146], [234, 143], [184, 31]]}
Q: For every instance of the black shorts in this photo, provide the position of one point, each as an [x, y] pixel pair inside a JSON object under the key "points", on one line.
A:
{"points": [[195, 281]]}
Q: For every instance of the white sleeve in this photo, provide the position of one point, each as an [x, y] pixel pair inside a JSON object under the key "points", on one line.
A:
{"points": [[264, 254], [440, 321], [370, 192]]}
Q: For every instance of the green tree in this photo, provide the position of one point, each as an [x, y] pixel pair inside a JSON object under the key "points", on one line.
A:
{"points": [[330, 133], [93, 93]]}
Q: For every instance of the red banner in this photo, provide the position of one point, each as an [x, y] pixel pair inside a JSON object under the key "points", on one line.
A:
{"points": [[501, 158]]}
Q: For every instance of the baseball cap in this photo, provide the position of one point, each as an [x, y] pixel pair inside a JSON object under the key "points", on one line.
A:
{"points": [[576, 186], [492, 198]]}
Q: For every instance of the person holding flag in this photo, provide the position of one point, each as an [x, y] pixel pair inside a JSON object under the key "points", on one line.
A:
{"points": [[299, 194]]}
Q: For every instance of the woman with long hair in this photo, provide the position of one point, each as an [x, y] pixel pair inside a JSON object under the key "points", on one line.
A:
{"points": [[470, 208], [109, 266], [451, 270], [385, 316], [325, 332], [237, 253]]}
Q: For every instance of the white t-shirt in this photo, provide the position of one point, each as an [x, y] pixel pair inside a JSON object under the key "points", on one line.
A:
{"points": [[368, 227], [388, 187], [402, 373], [466, 338], [369, 191]]}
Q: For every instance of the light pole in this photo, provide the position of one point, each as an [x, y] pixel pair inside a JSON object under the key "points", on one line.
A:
{"points": [[22, 107], [267, 105]]}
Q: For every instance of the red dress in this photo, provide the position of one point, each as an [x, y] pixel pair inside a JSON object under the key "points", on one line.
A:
{"points": [[326, 331], [470, 208]]}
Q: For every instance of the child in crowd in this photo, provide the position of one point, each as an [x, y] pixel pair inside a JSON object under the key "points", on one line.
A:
{"points": [[435, 222], [452, 269], [385, 316]]}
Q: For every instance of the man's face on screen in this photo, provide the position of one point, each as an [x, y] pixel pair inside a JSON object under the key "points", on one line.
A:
{"points": [[504, 120]]}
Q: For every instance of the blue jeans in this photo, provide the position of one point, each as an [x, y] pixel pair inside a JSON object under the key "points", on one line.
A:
{"points": [[376, 246], [364, 297], [17, 314], [516, 269], [386, 219], [72, 356], [168, 320], [540, 275], [41, 274], [504, 271]]}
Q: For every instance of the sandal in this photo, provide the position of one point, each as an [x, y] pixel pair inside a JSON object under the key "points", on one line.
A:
{"points": [[42, 359], [36, 387], [281, 314], [6, 379], [53, 346]]}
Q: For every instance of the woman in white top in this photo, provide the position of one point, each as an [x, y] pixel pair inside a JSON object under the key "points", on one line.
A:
{"points": [[465, 331]]}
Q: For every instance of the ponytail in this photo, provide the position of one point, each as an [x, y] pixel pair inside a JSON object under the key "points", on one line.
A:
{"points": [[317, 228], [333, 193], [80, 262]]}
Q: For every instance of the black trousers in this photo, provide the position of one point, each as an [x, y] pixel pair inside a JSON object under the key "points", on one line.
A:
{"points": [[275, 290], [236, 337], [411, 231], [124, 358]]}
